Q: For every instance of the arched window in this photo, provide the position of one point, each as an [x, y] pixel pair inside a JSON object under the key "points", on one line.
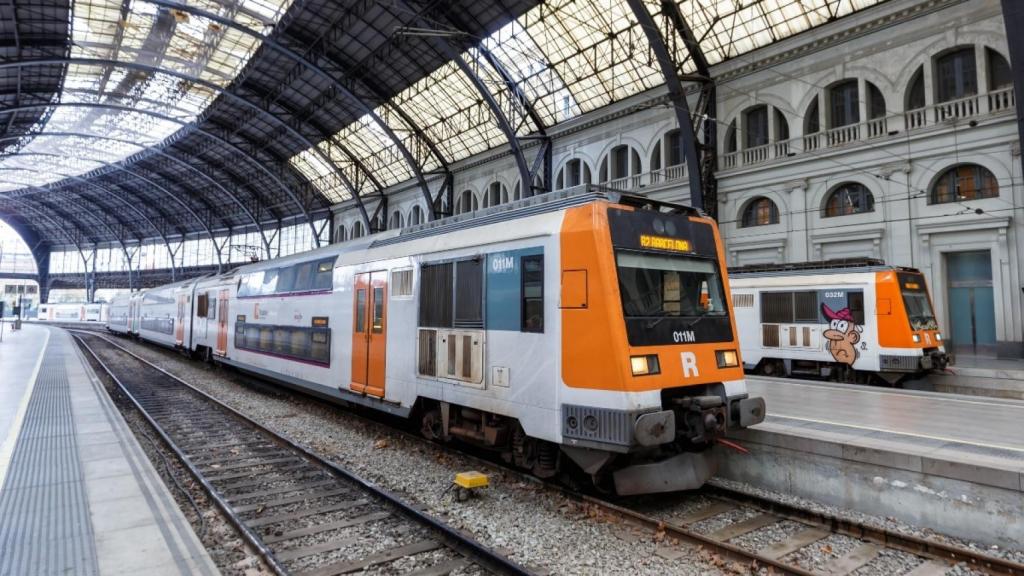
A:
{"points": [[915, 93], [964, 182], [357, 229], [538, 187], [339, 234], [956, 75], [574, 173], [844, 104], [999, 75], [876, 102], [621, 162], [812, 120], [760, 211], [416, 215], [848, 198], [730, 138], [396, 220], [467, 202], [781, 126], [497, 194], [755, 126], [377, 224]]}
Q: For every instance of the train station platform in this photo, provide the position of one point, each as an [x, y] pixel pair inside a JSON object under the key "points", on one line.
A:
{"points": [[947, 462], [77, 493], [977, 376]]}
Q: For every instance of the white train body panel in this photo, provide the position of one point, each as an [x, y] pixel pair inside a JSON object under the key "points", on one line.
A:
{"points": [[117, 318], [165, 314]]}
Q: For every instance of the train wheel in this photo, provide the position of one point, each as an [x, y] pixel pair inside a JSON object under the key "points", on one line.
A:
{"points": [[431, 426]]}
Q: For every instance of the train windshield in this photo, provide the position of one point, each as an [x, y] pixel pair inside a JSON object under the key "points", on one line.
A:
{"points": [[658, 286], [919, 306]]}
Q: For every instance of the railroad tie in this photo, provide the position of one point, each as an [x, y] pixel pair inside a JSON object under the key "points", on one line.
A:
{"points": [[857, 557], [744, 526], [714, 509], [929, 568], [793, 543]]}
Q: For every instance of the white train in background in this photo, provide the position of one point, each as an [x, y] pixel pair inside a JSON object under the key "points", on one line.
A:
{"points": [[854, 320], [77, 312], [559, 331]]}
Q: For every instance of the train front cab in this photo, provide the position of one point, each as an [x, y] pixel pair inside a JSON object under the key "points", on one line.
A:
{"points": [[650, 354], [908, 332]]}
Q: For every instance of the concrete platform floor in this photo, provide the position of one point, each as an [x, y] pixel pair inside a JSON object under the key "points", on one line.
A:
{"points": [[77, 493]]}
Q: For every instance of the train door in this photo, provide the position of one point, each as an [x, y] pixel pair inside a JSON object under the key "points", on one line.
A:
{"points": [[179, 324], [222, 324], [369, 333]]}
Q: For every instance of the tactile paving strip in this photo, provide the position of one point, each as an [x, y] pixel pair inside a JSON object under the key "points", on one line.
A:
{"points": [[44, 513]]}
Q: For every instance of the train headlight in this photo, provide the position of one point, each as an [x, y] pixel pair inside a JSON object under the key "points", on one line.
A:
{"points": [[938, 336], [644, 365], [916, 338], [727, 358]]}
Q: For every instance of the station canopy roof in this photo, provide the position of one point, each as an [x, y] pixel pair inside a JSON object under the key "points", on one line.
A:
{"points": [[122, 120]]}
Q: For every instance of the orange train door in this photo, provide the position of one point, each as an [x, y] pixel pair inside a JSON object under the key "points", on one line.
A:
{"points": [[369, 333], [222, 324], [179, 324]]}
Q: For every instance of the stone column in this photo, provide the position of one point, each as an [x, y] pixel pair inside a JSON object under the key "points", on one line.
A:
{"points": [[798, 220]]}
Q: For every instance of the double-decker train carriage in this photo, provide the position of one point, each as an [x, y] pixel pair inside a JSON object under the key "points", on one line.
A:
{"points": [[577, 331], [846, 320], [118, 316]]}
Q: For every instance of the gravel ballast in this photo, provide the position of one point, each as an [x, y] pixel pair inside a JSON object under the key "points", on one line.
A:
{"points": [[532, 525]]}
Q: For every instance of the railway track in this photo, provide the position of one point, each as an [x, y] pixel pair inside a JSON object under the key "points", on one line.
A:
{"points": [[301, 513], [675, 517]]}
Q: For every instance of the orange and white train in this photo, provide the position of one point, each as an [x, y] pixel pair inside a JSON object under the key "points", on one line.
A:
{"points": [[575, 332], [845, 320]]}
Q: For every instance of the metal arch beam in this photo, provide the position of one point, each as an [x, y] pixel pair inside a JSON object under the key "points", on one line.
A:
{"points": [[496, 111], [103, 223], [67, 61], [316, 69], [119, 107], [213, 137], [671, 9], [60, 228], [449, 52], [89, 182], [165, 191], [131, 172], [677, 96], [130, 206]]}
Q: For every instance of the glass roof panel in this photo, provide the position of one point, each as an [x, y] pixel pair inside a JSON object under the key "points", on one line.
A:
{"points": [[134, 99]]}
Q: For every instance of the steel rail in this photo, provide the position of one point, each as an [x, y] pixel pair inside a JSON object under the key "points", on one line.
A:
{"points": [[247, 534], [918, 546], [455, 539]]}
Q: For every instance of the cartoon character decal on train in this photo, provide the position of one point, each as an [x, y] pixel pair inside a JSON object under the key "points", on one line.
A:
{"points": [[843, 334]]}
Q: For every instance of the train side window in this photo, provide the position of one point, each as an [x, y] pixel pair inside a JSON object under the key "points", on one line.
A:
{"points": [[469, 293], [303, 277], [211, 306], [533, 293], [436, 295], [855, 301], [777, 307], [201, 305], [805, 306], [324, 275], [269, 282], [378, 310], [286, 279], [401, 283], [361, 310]]}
